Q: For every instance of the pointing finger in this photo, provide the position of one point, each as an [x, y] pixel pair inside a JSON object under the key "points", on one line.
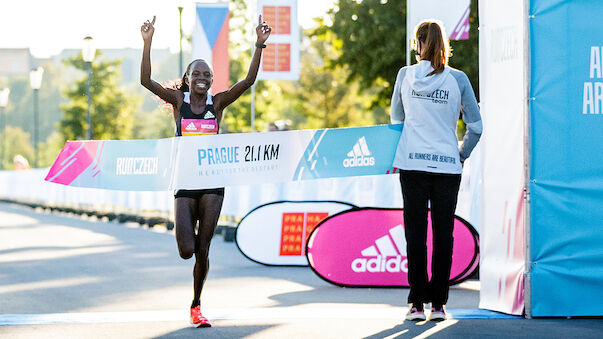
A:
{"points": [[153, 22], [260, 20]]}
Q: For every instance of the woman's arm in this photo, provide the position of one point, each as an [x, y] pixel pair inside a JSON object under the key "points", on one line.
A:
{"points": [[396, 112], [147, 29], [471, 117], [227, 97]]}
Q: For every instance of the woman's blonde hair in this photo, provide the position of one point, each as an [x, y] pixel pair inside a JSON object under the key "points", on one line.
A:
{"points": [[434, 44]]}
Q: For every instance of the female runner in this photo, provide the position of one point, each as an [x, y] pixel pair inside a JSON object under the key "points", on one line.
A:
{"points": [[198, 112]]}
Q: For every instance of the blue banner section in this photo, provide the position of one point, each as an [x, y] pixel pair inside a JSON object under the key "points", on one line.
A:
{"points": [[566, 170], [338, 153]]}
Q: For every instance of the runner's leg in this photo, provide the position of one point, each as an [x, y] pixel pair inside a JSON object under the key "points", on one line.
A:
{"points": [[185, 215], [210, 205]]}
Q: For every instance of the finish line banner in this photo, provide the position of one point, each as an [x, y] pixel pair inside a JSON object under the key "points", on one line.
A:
{"points": [[209, 161]]}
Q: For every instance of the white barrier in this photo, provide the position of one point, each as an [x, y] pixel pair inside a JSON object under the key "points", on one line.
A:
{"points": [[28, 186]]}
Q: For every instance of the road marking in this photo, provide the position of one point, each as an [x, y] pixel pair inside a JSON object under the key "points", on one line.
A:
{"points": [[276, 313], [437, 328]]}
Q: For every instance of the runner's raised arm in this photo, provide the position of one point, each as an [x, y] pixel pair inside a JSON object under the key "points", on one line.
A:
{"points": [[227, 97], [169, 95]]}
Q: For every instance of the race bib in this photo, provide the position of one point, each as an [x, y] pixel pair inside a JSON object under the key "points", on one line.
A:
{"points": [[198, 127]]}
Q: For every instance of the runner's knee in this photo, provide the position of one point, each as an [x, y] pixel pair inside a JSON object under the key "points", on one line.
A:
{"points": [[186, 252]]}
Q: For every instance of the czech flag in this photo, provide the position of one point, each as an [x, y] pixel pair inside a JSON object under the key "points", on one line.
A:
{"points": [[210, 41]]}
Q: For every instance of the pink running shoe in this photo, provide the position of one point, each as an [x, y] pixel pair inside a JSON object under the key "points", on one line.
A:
{"points": [[197, 319]]}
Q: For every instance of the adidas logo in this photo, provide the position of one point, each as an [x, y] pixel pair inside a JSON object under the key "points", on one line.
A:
{"points": [[359, 155], [190, 127], [209, 115], [392, 245]]}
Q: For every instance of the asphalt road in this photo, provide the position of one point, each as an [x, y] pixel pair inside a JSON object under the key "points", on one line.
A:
{"points": [[67, 277]]}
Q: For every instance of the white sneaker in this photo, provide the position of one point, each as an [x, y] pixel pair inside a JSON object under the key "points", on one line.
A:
{"points": [[415, 314], [438, 314]]}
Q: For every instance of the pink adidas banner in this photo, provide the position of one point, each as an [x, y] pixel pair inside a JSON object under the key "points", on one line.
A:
{"points": [[366, 247]]}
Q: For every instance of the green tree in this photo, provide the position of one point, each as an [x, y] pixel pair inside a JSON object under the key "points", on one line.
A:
{"points": [[371, 36], [20, 111], [372, 39], [49, 150], [156, 124], [323, 96], [111, 108], [19, 142]]}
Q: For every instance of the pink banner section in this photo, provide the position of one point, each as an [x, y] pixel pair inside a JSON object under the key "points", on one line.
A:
{"points": [[461, 29], [73, 160], [366, 247]]}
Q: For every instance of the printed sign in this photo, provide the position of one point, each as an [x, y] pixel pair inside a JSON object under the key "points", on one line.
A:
{"points": [[207, 161], [295, 230], [566, 163], [276, 233], [502, 188], [280, 59], [366, 247]]}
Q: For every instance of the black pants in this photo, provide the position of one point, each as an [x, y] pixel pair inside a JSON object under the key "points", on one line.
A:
{"points": [[417, 189]]}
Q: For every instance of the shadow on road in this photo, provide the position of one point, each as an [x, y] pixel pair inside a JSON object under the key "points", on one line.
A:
{"points": [[74, 264], [215, 332]]}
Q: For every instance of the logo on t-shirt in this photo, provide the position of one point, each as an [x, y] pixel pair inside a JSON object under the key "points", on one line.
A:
{"points": [[209, 115], [439, 96], [191, 127]]}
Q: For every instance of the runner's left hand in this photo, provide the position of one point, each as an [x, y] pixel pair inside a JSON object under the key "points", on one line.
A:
{"points": [[262, 30]]}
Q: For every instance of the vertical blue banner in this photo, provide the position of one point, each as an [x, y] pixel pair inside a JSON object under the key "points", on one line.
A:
{"points": [[566, 173]]}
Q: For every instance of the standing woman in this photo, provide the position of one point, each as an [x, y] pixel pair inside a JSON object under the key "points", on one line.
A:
{"points": [[428, 98], [198, 112]]}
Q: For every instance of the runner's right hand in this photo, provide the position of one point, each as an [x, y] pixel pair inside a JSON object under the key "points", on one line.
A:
{"points": [[147, 29]]}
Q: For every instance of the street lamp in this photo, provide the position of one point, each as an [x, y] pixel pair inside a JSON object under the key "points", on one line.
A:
{"points": [[180, 13], [3, 102], [88, 53], [35, 81]]}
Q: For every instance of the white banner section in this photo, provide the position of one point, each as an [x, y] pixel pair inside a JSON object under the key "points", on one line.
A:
{"points": [[231, 159], [280, 59], [502, 69]]}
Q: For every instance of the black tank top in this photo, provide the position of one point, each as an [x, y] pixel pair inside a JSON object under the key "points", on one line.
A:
{"points": [[197, 124]]}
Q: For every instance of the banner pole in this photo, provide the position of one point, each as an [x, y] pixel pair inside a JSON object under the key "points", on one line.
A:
{"points": [[527, 158], [253, 107], [408, 28]]}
